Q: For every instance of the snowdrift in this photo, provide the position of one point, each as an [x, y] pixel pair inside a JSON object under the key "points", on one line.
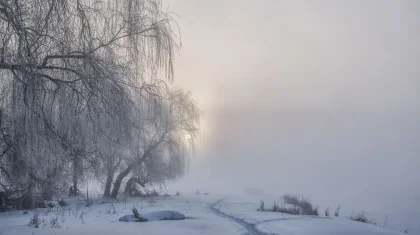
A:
{"points": [[153, 216]]}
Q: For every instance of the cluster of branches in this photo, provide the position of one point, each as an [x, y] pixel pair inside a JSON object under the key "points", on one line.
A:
{"points": [[81, 92]]}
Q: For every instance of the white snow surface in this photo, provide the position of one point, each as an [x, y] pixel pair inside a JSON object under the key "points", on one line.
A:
{"points": [[214, 214]]}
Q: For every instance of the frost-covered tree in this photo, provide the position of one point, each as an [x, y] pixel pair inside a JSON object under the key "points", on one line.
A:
{"points": [[160, 150], [80, 91]]}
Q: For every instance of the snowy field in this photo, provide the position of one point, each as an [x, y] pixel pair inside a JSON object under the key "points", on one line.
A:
{"points": [[212, 214]]}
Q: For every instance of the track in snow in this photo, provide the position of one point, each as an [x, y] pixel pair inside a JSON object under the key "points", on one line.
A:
{"points": [[250, 228]]}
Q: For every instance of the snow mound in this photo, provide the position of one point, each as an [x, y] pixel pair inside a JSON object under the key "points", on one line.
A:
{"points": [[128, 218], [153, 216]]}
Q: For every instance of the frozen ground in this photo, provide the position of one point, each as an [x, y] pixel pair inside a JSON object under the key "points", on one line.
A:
{"points": [[205, 215]]}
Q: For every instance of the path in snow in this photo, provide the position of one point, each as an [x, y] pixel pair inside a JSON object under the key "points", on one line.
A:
{"points": [[249, 227]]}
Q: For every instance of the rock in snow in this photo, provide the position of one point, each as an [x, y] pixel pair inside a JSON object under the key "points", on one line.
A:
{"points": [[155, 215]]}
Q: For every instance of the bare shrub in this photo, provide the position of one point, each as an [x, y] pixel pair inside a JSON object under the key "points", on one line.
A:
{"points": [[55, 223], [292, 211], [290, 199], [261, 206], [276, 207], [385, 222], [62, 203], [307, 208], [303, 206], [62, 215], [361, 217], [77, 211], [315, 211], [337, 211], [81, 217], [110, 209], [35, 221], [327, 212]]}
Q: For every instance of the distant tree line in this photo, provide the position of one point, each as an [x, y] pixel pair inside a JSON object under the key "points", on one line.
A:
{"points": [[85, 90]]}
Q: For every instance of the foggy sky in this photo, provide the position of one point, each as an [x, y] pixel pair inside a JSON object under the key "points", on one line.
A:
{"points": [[319, 98]]}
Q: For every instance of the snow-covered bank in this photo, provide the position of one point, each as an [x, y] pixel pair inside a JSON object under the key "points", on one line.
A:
{"points": [[100, 218], [232, 215], [244, 208]]}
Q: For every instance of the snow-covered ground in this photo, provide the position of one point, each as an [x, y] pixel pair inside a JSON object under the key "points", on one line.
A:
{"points": [[213, 214]]}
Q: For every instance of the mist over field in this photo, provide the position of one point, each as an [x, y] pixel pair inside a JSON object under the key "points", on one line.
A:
{"points": [[318, 99]]}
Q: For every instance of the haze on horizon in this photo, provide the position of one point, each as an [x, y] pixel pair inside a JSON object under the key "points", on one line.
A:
{"points": [[318, 98]]}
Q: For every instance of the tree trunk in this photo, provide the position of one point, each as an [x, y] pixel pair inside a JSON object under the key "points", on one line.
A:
{"points": [[125, 172], [128, 187], [47, 191], [118, 181], [75, 188], [109, 178], [76, 172], [128, 190]]}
